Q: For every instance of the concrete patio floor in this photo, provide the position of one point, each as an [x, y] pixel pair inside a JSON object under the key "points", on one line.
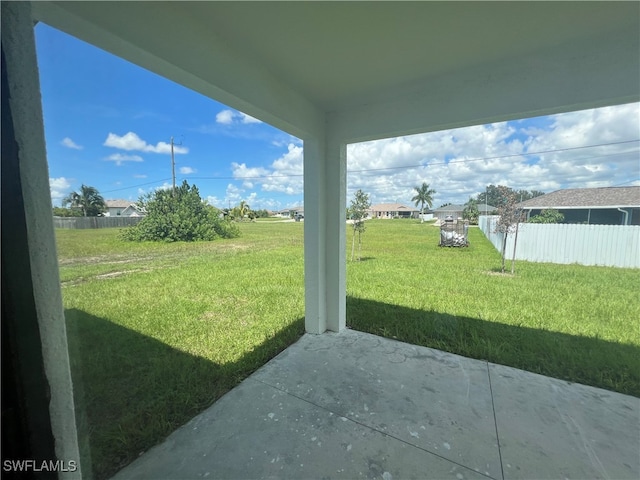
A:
{"points": [[353, 405]]}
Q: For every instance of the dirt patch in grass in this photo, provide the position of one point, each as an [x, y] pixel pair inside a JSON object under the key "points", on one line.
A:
{"points": [[494, 273], [105, 259], [103, 276], [115, 274]]}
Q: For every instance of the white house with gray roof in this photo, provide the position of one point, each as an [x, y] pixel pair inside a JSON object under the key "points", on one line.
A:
{"points": [[393, 210], [123, 208]]}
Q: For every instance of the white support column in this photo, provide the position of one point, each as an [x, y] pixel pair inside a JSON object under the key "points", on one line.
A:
{"points": [[336, 269], [324, 234], [315, 318]]}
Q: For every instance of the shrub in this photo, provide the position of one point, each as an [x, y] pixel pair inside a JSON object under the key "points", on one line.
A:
{"points": [[548, 216], [179, 215]]}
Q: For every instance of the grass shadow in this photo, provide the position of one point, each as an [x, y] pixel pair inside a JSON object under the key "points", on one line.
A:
{"points": [[586, 360], [131, 391]]}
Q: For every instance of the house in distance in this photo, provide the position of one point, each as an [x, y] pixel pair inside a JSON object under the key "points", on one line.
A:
{"points": [[593, 206]]}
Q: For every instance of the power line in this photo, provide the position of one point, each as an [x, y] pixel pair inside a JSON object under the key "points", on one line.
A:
{"points": [[246, 178], [259, 177], [469, 160], [625, 183], [136, 186]]}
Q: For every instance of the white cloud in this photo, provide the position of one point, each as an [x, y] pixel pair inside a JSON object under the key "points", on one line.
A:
{"points": [[215, 201], [67, 142], [59, 189], [284, 175], [233, 194], [139, 176], [252, 198], [244, 118], [267, 204], [241, 171], [229, 117], [187, 170], [145, 191], [460, 163], [163, 147], [120, 158], [130, 141], [225, 117], [285, 139]]}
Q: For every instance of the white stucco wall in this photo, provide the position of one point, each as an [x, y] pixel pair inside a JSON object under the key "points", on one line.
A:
{"points": [[22, 71]]}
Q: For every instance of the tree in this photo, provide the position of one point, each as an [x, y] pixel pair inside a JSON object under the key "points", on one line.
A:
{"points": [[179, 215], [88, 201], [66, 212], [261, 213], [357, 213], [547, 216], [243, 209], [510, 217], [471, 211], [423, 195], [523, 195], [493, 195]]}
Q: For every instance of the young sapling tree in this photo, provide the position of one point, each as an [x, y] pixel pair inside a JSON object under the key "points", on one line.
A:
{"points": [[510, 216], [357, 213]]}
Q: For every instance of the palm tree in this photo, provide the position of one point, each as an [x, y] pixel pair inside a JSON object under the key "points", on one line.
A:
{"points": [[88, 200], [423, 195], [471, 211], [243, 209]]}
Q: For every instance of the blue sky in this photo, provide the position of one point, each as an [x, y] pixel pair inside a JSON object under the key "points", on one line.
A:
{"points": [[108, 124]]}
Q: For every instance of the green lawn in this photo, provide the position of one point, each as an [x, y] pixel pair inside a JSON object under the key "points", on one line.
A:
{"points": [[158, 331], [566, 321]]}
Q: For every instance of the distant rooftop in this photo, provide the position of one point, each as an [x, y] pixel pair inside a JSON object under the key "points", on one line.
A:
{"points": [[605, 197], [118, 203], [482, 208], [486, 208], [450, 208], [391, 207]]}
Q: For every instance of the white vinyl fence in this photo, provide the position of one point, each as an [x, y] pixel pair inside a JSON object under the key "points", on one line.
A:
{"points": [[605, 245], [95, 222]]}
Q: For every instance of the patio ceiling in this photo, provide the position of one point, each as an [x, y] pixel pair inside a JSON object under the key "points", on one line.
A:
{"points": [[291, 63], [343, 54]]}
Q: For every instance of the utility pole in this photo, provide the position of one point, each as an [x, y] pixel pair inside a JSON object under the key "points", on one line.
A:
{"points": [[486, 200], [173, 168]]}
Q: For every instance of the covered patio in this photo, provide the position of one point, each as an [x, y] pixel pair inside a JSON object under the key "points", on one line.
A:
{"points": [[331, 73], [353, 405]]}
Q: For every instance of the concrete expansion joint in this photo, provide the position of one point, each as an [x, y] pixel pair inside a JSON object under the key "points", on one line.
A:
{"points": [[386, 434], [495, 419]]}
